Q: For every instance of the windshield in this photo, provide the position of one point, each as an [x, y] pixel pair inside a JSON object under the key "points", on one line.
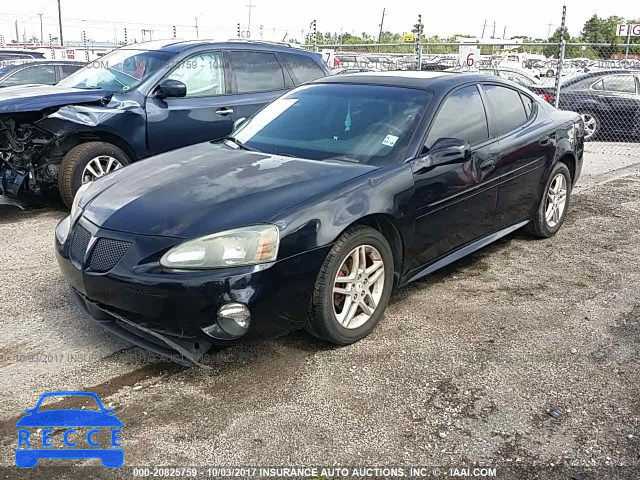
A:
{"points": [[358, 123], [119, 71]]}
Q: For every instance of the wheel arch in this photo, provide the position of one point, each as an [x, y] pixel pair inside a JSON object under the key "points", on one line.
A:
{"points": [[384, 223], [569, 160], [78, 138]]}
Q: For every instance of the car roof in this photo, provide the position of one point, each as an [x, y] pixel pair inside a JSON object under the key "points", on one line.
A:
{"points": [[425, 80], [177, 46], [596, 74]]}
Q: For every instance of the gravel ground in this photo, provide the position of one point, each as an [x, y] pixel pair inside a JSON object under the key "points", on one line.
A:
{"points": [[463, 370]]}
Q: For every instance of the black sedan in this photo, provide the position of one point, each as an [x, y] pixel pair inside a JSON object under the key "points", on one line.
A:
{"points": [[316, 208], [607, 100]]}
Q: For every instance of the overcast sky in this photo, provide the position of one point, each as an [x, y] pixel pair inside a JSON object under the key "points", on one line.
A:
{"points": [[104, 20]]}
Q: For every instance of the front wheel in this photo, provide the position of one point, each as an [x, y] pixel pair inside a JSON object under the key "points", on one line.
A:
{"points": [[553, 205], [85, 163], [353, 287]]}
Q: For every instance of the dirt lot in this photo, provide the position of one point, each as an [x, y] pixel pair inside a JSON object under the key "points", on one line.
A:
{"points": [[463, 369]]}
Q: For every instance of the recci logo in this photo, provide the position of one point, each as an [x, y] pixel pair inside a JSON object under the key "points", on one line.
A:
{"points": [[85, 433]]}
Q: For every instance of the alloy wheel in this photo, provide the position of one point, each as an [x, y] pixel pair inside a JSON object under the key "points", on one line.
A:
{"points": [[556, 200], [358, 286], [98, 167], [590, 125]]}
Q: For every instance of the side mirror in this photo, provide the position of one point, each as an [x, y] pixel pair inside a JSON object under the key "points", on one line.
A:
{"points": [[171, 89], [238, 123], [445, 151]]}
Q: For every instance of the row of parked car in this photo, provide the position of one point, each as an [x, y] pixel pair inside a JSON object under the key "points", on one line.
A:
{"points": [[143, 100]]}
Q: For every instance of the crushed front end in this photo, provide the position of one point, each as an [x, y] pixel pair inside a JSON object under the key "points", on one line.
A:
{"points": [[25, 150]]}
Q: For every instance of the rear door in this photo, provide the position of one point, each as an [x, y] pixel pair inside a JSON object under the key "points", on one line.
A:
{"points": [[619, 101], [525, 146], [256, 78], [455, 204], [204, 114]]}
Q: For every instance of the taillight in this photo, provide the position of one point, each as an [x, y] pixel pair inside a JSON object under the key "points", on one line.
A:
{"points": [[547, 97], [336, 62]]}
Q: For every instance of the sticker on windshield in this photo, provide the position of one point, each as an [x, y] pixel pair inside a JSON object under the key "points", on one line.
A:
{"points": [[390, 140]]}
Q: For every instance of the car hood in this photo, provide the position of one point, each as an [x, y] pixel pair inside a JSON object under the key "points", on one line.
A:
{"points": [[31, 98], [207, 188]]}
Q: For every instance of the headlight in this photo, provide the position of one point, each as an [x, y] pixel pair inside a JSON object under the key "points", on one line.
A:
{"points": [[75, 209], [242, 246]]}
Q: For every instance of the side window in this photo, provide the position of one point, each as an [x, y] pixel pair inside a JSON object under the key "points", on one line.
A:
{"points": [[41, 74], [68, 70], [620, 83], [256, 72], [203, 75], [528, 105], [303, 68], [462, 116], [508, 110], [599, 85]]}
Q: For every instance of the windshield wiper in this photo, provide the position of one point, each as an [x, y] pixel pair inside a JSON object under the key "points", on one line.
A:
{"points": [[237, 142]]}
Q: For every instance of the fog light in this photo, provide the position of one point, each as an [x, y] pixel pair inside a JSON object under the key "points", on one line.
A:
{"points": [[234, 318]]}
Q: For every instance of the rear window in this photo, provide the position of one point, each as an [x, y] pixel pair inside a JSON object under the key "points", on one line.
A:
{"points": [[69, 69], [303, 68], [508, 110], [256, 72]]}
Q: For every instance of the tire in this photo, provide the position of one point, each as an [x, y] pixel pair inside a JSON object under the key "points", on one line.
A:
{"points": [[540, 226], [594, 130], [74, 163], [323, 321]]}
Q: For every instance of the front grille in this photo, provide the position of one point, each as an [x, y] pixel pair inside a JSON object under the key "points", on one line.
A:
{"points": [[79, 243], [106, 254]]}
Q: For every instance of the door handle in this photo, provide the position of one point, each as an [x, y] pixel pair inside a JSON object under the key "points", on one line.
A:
{"points": [[488, 165], [224, 111]]}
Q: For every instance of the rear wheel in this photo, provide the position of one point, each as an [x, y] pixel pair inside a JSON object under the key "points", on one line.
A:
{"points": [[353, 287], [591, 125], [553, 205], [85, 163]]}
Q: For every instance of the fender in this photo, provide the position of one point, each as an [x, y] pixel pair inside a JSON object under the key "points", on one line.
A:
{"points": [[328, 215]]}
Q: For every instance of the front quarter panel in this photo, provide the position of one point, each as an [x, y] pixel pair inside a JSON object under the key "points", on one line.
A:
{"points": [[321, 220]]}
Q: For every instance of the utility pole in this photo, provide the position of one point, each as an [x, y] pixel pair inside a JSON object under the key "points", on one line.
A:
{"points": [[250, 6], [549, 29], [60, 23], [494, 30], [381, 24], [41, 34], [197, 35], [504, 32], [17, 34], [484, 27]]}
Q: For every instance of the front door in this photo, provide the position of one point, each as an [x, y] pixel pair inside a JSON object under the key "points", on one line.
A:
{"points": [[206, 113], [454, 204]]}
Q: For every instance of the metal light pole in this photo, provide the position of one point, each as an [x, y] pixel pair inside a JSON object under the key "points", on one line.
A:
{"points": [[250, 6], [60, 22], [197, 34], [41, 34], [561, 56]]}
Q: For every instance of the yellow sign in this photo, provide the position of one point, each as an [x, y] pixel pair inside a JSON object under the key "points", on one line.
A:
{"points": [[409, 38]]}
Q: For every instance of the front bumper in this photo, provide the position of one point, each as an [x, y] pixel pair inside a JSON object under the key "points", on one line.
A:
{"points": [[166, 312]]}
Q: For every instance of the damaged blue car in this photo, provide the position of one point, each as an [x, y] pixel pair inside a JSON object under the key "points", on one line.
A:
{"points": [[138, 101]]}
